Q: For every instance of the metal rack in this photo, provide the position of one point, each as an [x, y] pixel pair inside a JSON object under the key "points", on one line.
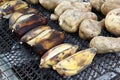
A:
{"points": [[23, 63]]}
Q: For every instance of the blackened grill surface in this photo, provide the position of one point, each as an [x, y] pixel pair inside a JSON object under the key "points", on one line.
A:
{"points": [[25, 63]]}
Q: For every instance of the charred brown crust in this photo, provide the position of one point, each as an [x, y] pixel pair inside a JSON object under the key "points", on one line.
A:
{"points": [[12, 6], [29, 23], [54, 39], [30, 35]]}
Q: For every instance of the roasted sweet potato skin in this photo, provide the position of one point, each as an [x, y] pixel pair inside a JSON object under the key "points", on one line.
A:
{"points": [[105, 44]]}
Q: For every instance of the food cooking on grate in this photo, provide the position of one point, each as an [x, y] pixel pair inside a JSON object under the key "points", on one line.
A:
{"points": [[51, 4], [34, 33], [47, 39], [33, 1], [110, 5], [27, 22], [19, 13], [105, 44], [42, 38], [56, 54], [112, 21], [71, 19], [97, 4], [10, 7], [3, 2], [64, 5], [75, 63], [90, 28]]}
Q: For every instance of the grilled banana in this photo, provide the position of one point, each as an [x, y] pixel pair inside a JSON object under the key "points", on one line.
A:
{"points": [[34, 33], [46, 40], [56, 54], [10, 7], [19, 13], [75, 63], [3, 2], [27, 22]]}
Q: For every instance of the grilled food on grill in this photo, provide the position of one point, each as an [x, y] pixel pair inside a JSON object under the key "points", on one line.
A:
{"points": [[51, 4], [105, 44], [3, 2], [56, 54], [97, 4], [10, 7], [71, 19], [75, 63], [27, 22], [64, 5], [34, 33], [19, 13], [110, 5], [112, 21], [90, 28], [46, 40], [33, 1]]}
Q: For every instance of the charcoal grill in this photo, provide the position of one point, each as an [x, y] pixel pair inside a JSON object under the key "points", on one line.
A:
{"points": [[24, 63]]}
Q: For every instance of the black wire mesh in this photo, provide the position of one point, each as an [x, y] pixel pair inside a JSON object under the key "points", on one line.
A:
{"points": [[25, 63]]}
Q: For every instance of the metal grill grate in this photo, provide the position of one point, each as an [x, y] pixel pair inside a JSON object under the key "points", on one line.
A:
{"points": [[24, 63]]}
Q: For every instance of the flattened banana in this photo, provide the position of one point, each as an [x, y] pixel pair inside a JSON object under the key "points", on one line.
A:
{"points": [[46, 40], [34, 33], [27, 22], [19, 13], [56, 54], [10, 7], [75, 63], [3, 2]]}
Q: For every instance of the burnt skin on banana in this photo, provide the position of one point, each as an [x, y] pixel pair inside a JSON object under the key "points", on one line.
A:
{"points": [[17, 14], [10, 7], [47, 40], [34, 33], [56, 54], [75, 63], [27, 22]]}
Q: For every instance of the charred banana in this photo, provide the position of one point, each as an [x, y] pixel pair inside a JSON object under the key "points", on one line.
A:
{"points": [[3, 2], [56, 54], [46, 40], [19, 13], [27, 22], [10, 7], [43, 38], [75, 63], [34, 33]]}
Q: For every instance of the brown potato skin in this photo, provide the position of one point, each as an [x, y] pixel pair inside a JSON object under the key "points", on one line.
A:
{"points": [[33, 1], [110, 5], [112, 22], [71, 19], [90, 28], [54, 39], [97, 4], [105, 44]]}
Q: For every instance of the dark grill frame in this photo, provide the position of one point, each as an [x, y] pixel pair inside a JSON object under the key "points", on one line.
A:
{"points": [[25, 63]]}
